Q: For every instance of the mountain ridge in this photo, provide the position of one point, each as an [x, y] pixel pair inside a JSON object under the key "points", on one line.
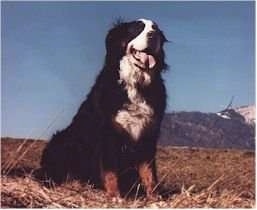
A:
{"points": [[230, 128]]}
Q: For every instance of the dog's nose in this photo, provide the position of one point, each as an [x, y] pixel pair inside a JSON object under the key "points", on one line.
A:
{"points": [[152, 34], [153, 42]]}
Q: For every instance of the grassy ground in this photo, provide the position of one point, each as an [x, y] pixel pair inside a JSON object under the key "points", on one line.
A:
{"points": [[196, 177]]}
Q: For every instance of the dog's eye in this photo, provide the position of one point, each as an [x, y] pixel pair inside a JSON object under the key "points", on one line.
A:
{"points": [[136, 27], [155, 27]]}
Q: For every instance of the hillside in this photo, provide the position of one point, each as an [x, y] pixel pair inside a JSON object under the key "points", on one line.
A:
{"points": [[208, 178], [227, 129]]}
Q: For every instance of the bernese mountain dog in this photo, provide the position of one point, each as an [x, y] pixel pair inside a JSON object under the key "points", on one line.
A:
{"points": [[111, 141]]}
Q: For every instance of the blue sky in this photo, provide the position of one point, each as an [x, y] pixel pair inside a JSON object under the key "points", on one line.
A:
{"points": [[52, 52]]}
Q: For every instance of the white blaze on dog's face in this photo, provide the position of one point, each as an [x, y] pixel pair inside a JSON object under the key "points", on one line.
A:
{"points": [[141, 42], [146, 45]]}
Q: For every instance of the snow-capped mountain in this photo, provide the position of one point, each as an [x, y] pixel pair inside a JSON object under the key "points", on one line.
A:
{"points": [[248, 112]]}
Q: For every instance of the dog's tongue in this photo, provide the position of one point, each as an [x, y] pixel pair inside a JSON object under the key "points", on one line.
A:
{"points": [[147, 60]]}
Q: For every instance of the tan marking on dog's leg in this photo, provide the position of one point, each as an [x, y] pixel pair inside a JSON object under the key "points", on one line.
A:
{"points": [[147, 178], [111, 184]]}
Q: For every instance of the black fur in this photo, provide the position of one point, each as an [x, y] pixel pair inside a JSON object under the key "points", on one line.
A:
{"points": [[92, 141]]}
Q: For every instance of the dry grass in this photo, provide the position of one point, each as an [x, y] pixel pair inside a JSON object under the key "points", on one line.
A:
{"points": [[198, 177], [28, 193]]}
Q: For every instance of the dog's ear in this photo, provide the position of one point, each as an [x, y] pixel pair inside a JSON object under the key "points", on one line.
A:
{"points": [[115, 42]]}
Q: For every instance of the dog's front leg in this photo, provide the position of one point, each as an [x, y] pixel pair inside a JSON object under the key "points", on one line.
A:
{"points": [[146, 173], [109, 172], [110, 181]]}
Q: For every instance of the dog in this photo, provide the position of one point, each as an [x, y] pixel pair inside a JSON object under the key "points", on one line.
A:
{"points": [[111, 141]]}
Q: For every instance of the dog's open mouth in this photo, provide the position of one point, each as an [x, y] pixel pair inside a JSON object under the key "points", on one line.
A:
{"points": [[143, 59]]}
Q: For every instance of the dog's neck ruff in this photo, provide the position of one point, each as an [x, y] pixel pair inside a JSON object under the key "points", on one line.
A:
{"points": [[136, 115], [131, 75]]}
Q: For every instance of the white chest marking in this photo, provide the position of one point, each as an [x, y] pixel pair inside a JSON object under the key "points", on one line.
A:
{"points": [[135, 116]]}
